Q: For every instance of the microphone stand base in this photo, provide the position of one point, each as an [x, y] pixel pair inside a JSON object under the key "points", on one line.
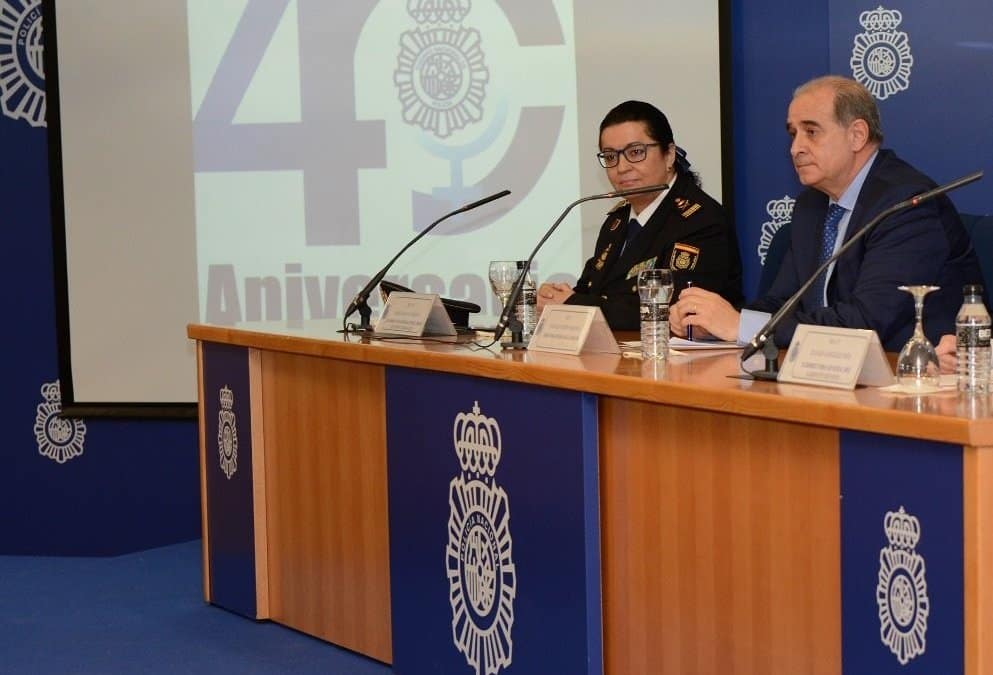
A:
{"points": [[356, 330], [514, 344], [769, 373], [517, 341]]}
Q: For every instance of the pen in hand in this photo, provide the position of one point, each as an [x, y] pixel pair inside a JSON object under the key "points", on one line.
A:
{"points": [[689, 328]]}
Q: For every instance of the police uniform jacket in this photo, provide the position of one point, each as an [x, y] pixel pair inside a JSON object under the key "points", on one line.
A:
{"points": [[688, 233]]}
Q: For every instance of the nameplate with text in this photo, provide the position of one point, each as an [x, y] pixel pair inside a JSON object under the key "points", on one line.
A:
{"points": [[573, 329], [414, 315], [829, 356]]}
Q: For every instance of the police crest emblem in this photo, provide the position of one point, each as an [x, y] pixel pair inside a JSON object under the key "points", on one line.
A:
{"points": [[482, 576], [22, 83], [441, 75], [901, 592], [684, 257], [881, 57], [781, 212], [227, 434], [59, 438]]}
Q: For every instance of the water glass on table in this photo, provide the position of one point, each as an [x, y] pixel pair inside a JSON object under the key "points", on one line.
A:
{"points": [[655, 291], [503, 274]]}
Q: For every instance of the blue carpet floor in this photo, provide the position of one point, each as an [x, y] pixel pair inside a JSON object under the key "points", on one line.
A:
{"points": [[143, 613]]}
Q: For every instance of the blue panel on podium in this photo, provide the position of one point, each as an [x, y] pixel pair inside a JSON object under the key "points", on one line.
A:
{"points": [[230, 525], [494, 526], [902, 555]]}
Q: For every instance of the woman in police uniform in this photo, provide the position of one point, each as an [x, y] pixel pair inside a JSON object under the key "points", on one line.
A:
{"points": [[681, 228]]}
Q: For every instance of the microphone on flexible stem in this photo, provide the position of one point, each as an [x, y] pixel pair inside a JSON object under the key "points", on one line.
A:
{"points": [[506, 316], [360, 301], [762, 342]]}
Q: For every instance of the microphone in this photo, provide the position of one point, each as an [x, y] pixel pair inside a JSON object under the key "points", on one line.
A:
{"points": [[761, 339], [508, 309], [360, 301]]}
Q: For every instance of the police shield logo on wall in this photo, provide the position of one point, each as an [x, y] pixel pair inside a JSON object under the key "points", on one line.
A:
{"points": [[881, 58], [901, 593], [441, 74], [59, 438], [781, 212], [22, 72], [227, 433], [482, 576]]}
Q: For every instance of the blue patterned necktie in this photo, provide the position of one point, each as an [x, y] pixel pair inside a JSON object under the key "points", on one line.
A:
{"points": [[828, 238], [634, 227]]}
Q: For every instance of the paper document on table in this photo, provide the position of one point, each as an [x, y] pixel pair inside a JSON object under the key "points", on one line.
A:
{"points": [[680, 343]]}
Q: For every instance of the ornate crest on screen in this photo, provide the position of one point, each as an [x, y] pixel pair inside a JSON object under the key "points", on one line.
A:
{"points": [[59, 438], [227, 433], [482, 577], [901, 593], [441, 75], [22, 71], [781, 212], [881, 57]]}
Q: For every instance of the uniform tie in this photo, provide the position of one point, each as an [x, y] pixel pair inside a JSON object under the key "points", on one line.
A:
{"points": [[828, 239], [634, 227]]}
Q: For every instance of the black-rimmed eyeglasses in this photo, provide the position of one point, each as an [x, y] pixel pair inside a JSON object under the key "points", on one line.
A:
{"points": [[633, 152]]}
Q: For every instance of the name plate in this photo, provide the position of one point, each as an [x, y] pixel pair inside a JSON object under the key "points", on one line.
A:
{"points": [[836, 357], [573, 329], [414, 315]]}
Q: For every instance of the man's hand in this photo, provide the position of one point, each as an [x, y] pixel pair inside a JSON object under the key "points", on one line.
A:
{"points": [[947, 350], [704, 310]]}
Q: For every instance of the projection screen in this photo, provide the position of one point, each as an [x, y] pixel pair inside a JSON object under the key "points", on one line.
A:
{"points": [[244, 161]]}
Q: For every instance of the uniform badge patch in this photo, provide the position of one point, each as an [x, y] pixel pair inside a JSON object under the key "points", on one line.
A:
{"points": [[686, 209], [643, 265], [602, 260], [684, 256], [614, 224]]}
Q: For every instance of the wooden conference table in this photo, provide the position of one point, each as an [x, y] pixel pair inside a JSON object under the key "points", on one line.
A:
{"points": [[444, 508]]}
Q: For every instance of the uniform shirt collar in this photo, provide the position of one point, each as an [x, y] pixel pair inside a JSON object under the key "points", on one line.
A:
{"points": [[650, 210]]}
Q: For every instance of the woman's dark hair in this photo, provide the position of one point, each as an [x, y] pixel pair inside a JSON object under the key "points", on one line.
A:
{"points": [[656, 124]]}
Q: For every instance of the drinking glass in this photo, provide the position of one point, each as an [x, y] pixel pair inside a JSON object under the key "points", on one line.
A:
{"points": [[503, 274], [917, 364]]}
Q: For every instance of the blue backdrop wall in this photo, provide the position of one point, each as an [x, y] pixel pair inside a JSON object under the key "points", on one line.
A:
{"points": [[930, 67], [67, 486], [100, 486]]}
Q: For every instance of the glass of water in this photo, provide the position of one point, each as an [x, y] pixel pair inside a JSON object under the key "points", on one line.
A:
{"points": [[917, 364], [503, 274]]}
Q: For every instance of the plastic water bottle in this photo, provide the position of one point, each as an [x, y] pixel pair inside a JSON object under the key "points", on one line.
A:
{"points": [[526, 308], [654, 293], [972, 332]]}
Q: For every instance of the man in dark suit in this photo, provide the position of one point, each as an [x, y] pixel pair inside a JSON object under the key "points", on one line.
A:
{"points": [[681, 228], [834, 124]]}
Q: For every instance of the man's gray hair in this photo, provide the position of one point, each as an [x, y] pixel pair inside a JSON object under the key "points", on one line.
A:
{"points": [[852, 102]]}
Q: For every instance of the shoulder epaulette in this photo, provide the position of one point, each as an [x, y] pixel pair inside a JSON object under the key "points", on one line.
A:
{"points": [[617, 207]]}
